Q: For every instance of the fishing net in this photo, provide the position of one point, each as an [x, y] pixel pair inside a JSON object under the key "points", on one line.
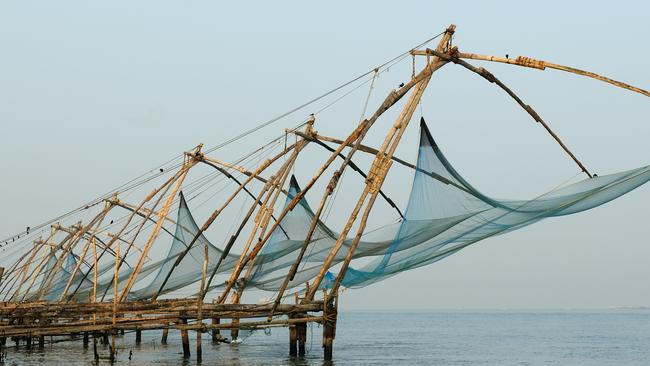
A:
{"points": [[444, 214]]}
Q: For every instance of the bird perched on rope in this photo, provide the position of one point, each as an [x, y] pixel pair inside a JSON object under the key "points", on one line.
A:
{"points": [[401, 85]]}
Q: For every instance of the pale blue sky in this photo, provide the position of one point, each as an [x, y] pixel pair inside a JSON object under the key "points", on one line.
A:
{"points": [[93, 94]]}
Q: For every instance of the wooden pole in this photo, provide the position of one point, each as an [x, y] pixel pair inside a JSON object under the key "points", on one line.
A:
{"points": [[165, 333], [68, 249], [261, 221], [185, 339], [329, 326], [379, 169], [154, 234], [216, 334], [265, 219], [164, 188], [541, 65], [491, 78], [199, 305], [215, 214], [115, 277], [301, 330], [293, 339], [138, 333]]}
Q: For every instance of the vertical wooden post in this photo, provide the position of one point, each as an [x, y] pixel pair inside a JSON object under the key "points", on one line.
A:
{"points": [[185, 339], [117, 264], [94, 285], [301, 333], [293, 350], [138, 333], [85, 341], [216, 334], [199, 319], [234, 332], [165, 333], [95, 353], [329, 325], [28, 342]]}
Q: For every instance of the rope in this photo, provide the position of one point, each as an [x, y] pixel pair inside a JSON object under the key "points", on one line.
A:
{"points": [[165, 166]]}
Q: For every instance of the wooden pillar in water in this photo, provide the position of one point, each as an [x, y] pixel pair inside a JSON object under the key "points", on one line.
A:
{"points": [[185, 339], [199, 305], [216, 334], [41, 342], [138, 333], [199, 351], [85, 340], [95, 346], [165, 332], [28, 342], [293, 350], [329, 325], [301, 334]]}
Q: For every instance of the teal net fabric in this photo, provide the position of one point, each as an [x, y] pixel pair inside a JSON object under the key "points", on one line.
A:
{"points": [[444, 214], [189, 269], [482, 217]]}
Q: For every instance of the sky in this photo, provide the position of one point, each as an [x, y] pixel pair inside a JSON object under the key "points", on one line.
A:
{"points": [[93, 94]]}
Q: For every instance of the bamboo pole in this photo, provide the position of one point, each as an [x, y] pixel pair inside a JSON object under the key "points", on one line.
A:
{"points": [[491, 78], [199, 319], [373, 151], [541, 65], [76, 269], [266, 214], [94, 276], [115, 284], [66, 251], [165, 186], [354, 167], [163, 192], [43, 264], [237, 168], [379, 169], [107, 207], [360, 130], [163, 212], [25, 269], [215, 214]]}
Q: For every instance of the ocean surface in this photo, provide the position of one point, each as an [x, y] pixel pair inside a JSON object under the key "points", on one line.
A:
{"points": [[610, 337]]}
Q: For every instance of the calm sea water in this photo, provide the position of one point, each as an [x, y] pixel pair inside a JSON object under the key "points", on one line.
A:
{"points": [[394, 338]]}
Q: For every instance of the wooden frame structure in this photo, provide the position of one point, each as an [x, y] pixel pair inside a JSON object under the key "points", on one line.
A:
{"points": [[26, 313]]}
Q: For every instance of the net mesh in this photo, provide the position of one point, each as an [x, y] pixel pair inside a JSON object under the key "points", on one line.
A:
{"points": [[444, 214]]}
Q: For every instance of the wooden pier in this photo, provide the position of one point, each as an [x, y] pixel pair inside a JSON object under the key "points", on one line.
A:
{"points": [[30, 322]]}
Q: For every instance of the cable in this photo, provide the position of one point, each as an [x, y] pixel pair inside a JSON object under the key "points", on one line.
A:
{"points": [[141, 179]]}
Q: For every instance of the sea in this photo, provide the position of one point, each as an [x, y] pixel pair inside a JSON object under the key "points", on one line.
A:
{"points": [[604, 337]]}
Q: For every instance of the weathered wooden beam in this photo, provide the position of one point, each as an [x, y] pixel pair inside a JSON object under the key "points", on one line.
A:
{"points": [[379, 169]]}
